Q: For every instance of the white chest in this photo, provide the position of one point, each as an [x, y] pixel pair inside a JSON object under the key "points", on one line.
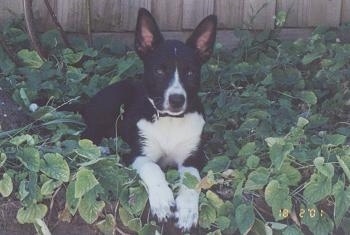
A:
{"points": [[170, 139]]}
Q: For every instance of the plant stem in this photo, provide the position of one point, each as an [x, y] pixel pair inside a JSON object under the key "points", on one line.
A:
{"points": [[88, 18], [29, 19], [57, 23]]}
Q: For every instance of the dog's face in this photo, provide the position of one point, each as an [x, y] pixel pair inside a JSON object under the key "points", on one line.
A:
{"points": [[172, 68]]}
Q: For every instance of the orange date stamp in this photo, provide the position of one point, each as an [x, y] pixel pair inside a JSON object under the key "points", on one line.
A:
{"points": [[311, 212]]}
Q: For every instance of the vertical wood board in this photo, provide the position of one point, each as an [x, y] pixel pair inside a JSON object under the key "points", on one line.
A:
{"points": [[230, 13], [10, 9], [306, 13], [129, 11], [345, 14], [106, 15], [259, 14], [72, 15], [194, 11], [168, 14]]}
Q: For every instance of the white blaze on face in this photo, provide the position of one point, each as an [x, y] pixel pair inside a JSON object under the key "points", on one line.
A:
{"points": [[175, 88]]}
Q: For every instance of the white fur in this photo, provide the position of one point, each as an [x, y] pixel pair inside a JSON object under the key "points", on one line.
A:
{"points": [[170, 138], [187, 201], [174, 88], [161, 197]]}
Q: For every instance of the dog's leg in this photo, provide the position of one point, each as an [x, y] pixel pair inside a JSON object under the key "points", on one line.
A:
{"points": [[187, 201], [161, 197]]}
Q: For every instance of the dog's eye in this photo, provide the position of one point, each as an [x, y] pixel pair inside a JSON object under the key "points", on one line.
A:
{"points": [[160, 72]]}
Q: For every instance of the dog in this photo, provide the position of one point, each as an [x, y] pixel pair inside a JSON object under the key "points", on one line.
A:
{"points": [[162, 117]]}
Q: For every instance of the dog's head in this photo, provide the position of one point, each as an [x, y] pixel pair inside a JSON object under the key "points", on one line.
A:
{"points": [[171, 67]]}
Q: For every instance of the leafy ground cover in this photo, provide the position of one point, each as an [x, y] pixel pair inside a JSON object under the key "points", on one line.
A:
{"points": [[277, 137]]}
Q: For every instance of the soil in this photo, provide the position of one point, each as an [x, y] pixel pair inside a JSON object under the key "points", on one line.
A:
{"points": [[11, 115]]}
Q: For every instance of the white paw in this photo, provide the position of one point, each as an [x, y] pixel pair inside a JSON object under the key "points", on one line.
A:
{"points": [[187, 209], [161, 200]]}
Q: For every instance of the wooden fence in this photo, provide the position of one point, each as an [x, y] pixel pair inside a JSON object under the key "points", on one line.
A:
{"points": [[179, 15]]}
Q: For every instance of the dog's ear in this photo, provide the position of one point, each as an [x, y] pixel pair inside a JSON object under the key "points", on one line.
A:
{"points": [[147, 33], [203, 37]]}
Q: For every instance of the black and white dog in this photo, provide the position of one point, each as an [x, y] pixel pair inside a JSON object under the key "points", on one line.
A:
{"points": [[163, 117]]}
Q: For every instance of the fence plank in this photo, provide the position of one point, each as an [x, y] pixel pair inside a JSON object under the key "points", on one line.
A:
{"points": [[345, 14], [129, 11], [10, 9], [168, 14], [230, 13], [106, 15], [306, 13], [42, 15], [258, 14], [194, 11], [72, 15]]}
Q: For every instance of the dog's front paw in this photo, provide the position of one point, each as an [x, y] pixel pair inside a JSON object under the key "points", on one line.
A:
{"points": [[187, 209], [161, 201]]}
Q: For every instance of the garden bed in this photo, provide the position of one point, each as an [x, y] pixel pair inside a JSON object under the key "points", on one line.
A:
{"points": [[277, 138]]}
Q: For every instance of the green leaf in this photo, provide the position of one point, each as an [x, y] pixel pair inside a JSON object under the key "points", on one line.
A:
{"points": [[85, 181], [90, 52], [317, 188], [276, 225], [291, 175], [172, 176], [277, 197], [31, 213], [89, 208], [148, 229], [257, 179], [292, 230], [71, 57], [344, 167], [310, 57], [253, 161], [137, 200], [207, 215], [125, 216], [326, 169], [214, 199], [217, 164], [318, 223], [49, 186], [18, 140], [245, 218], [308, 97], [30, 157], [88, 150], [302, 122], [3, 159], [6, 185], [128, 220], [30, 58], [342, 201], [279, 152], [247, 150], [108, 225], [71, 200], [223, 222], [24, 96], [75, 75], [54, 166], [270, 141], [190, 181], [335, 140]]}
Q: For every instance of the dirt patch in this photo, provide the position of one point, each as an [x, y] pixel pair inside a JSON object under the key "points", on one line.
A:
{"points": [[11, 115], [10, 226]]}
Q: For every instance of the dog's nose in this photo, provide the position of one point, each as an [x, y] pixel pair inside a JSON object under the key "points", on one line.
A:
{"points": [[176, 100]]}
